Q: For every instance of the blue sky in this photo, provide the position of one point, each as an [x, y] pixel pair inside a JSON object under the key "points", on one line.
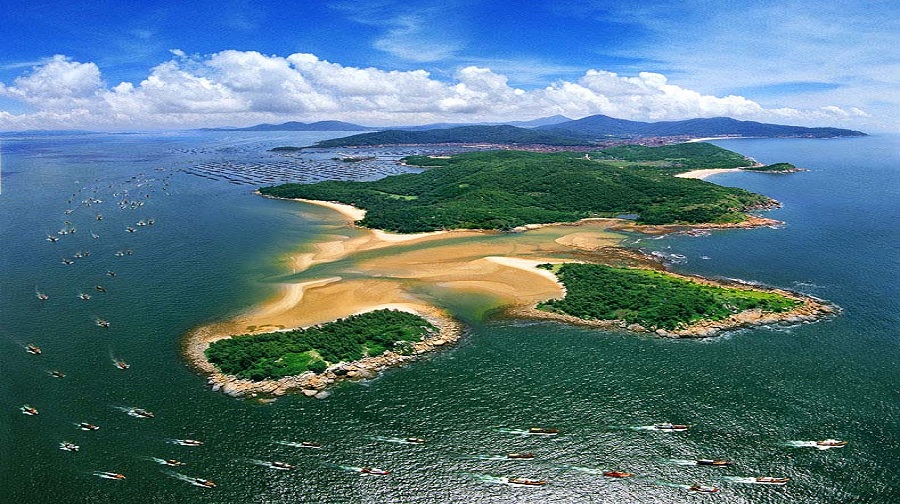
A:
{"points": [[115, 65]]}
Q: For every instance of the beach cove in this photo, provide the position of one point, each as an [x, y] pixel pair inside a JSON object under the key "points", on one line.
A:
{"points": [[418, 272]]}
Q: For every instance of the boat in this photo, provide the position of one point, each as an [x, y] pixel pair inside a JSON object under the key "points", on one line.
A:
{"points": [[415, 440], [52, 238], [188, 442], [110, 273], [670, 427], [310, 444], [102, 323], [281, 465], [122, 365], [111, 475], [87, 426], [57, 374], [769, 480], [140, 413], [544, 431], [67, 446], [703, 488], [84, 296], [33, 349], [374, 470], [130, 229], [100, 288], [94, 235], [67, 261], [203, 482], [525, 481], [40, 295], [617, 474], [714, 462], [29, 410], [831, 443], [520, 455], [173, 463]]}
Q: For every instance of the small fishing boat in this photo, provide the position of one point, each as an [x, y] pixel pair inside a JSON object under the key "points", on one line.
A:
{"points": [[525, 481], [831, 443], [617, 474], [122, 365], [33, 349], [29, 410], [284, 466], [712, 462], [40, 295], [310, 444], [67, 446], [100, 288], [703, 489], [414, 440], [520, 455], [668, 427], [374, 470], [84, 296], [543, 431], [57, 374], [188, 442], [204, 482], [102, 323], [173, 463], [87, 426], [140, 413], [111, 475], [769, 480]]}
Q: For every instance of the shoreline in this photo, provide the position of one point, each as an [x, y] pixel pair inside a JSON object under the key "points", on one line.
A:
{"points": [[703, 174], [508, 275]]}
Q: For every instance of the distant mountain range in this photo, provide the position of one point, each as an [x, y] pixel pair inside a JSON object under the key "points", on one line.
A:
{"points": [[299, 126], [555, 130], [600, 125]]}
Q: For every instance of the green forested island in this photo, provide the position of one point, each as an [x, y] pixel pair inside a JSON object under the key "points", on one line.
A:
{"points": [[461, 134], [506, 189], [650, 298], [287, 353], [775, 168]]}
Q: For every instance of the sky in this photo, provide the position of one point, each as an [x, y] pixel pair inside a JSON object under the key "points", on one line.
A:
{"points": [[118, 65]]}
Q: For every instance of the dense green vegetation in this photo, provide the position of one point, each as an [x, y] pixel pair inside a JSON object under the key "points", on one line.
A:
{"points": [[684, 156], [651, 298], [279, 354], [503, 134], [777, 167], [506, 189]]}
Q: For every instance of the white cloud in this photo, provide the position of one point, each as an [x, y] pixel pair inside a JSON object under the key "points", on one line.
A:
{"points": [[247, 87]]}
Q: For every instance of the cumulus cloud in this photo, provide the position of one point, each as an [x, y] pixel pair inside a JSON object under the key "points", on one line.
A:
{"points": [[247, 87]]}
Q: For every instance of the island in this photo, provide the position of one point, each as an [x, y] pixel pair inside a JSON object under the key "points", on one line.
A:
{"points": [[525, 234]]}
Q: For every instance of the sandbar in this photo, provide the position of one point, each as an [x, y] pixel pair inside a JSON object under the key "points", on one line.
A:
{"points": [[420, 273]]}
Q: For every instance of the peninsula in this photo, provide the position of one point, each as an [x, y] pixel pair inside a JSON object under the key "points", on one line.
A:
{"points": [[477, 226]]}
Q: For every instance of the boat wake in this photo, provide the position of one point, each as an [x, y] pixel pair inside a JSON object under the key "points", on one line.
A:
{"points": [[672, 485], [587, 470], [682, 462], [388, 439], [109, 475], [750, 480], [186, 479], [810, 444], [302, 444]]}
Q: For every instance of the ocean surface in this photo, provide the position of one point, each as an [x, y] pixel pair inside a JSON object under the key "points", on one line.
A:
{"points": [[182, 241]]}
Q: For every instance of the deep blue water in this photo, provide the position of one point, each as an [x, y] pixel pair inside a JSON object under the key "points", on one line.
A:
{"points": [[214, 249]]}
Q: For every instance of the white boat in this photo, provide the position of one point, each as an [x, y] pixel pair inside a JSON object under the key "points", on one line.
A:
{"points": [[188, 442], [668, 427], [67, 446], [769, 480], [29, 410], [87, 426], [284, 466]]}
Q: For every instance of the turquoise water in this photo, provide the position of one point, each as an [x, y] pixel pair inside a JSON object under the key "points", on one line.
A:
{"points": [[214, 249]]}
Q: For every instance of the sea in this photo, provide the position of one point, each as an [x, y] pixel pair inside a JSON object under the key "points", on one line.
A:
{"points": [[163, 233]]}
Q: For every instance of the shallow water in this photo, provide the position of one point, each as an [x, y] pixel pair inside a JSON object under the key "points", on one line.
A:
{"points": [[753, 397]]}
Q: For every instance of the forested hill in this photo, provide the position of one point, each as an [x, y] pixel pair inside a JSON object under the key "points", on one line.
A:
{"points": [[502, 134], [600, 125], [506, 189]]}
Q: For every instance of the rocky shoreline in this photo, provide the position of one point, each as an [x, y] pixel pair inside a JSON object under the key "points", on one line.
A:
{"points": [[809, 310], [314, 385]]}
